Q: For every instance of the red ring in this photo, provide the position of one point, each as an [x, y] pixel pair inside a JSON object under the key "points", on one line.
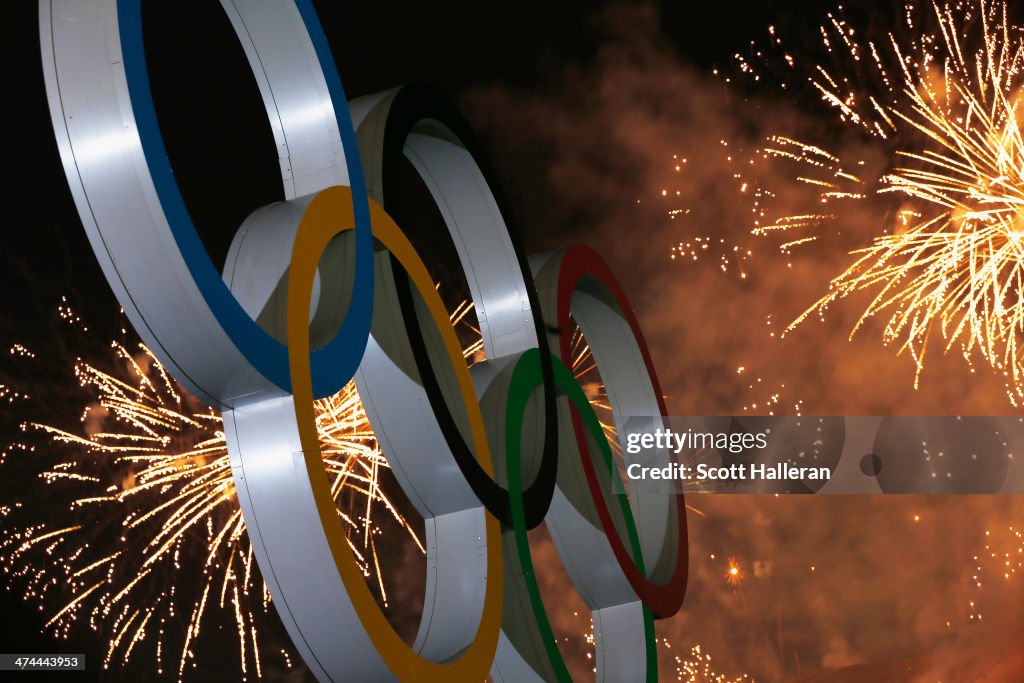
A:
{"points": [[579, 261]]}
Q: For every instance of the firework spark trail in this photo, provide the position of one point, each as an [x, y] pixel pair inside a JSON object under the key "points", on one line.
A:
{"points": [[692, 667], [149, 476], [733, 258], [697, 668], [944, 103], [584, 369], [174, 494], [996, 567], [730, 256]]}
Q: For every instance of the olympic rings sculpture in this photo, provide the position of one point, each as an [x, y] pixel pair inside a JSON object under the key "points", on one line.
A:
{"points": [[324, 288]]}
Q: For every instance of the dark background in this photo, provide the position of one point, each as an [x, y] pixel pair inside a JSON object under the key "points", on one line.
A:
{"points": [[212, 116]]}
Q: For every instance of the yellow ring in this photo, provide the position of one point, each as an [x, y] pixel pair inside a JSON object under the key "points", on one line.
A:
{"points": [[327, 216]]}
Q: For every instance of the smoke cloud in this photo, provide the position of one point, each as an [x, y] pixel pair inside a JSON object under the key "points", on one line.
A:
{"points": [[854, 588]]}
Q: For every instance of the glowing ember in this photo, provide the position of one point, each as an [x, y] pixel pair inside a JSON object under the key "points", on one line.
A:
{"points": [[734, 575]]}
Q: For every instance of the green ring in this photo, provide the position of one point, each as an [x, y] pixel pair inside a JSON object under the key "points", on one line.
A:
{"points": [[526, 377]]}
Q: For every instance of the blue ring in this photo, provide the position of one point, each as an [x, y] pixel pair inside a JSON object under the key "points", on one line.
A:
{"points": [[331, 366]]}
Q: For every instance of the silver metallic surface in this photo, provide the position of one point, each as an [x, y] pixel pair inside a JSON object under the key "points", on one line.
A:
{"points": [[395, 402], [115, 194], [630, 392], [572, 520], [583, 548], [289, 540]]}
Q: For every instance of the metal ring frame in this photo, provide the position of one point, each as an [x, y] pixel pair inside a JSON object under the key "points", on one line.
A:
{"points": [[575, 282], [307, 302], [415, 123]]}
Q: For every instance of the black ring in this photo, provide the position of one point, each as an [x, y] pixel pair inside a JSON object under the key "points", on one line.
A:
{"points": [[411, 105]]}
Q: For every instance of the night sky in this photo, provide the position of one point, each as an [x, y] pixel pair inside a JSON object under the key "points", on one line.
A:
{"points": [[581, 107]]}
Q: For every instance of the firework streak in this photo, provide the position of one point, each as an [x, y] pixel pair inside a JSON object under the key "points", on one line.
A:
{"points": [[941, 99], [153, 467]]}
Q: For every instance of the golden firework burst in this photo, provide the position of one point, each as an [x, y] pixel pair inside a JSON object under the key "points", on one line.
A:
{"points": [[152, 487], [150, 548], [947, 102]]}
